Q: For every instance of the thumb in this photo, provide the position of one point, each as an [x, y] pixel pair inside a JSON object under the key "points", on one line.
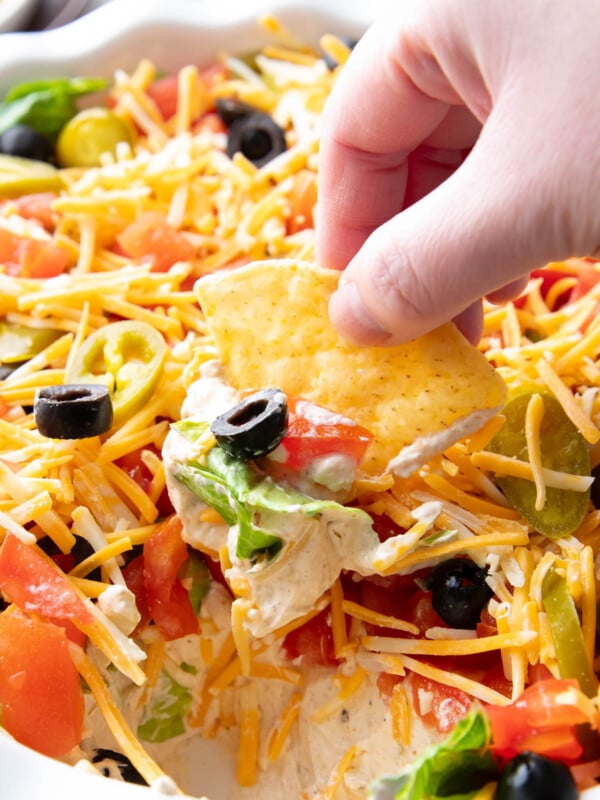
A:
{"points": [[487, 225]]}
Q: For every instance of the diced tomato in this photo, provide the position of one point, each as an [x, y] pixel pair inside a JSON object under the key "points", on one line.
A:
{"points": [[494, 678], [312, 642], [438, 705], [538, 672], [163, 91], [543, 719], [210, 122], [213, 75], [587, 277], [168, 602], [216, 573], [150, 237], [30, 580], [36, 206], [313, 431], [32, 258], [385, 527], [40, 691], [134, 578], [133, 465], [386, 683]]}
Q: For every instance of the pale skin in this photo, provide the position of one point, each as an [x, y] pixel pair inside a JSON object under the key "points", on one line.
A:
{"points": [[460, 150]]}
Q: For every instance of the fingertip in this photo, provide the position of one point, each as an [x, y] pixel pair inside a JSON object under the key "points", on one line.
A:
{"points": [[352, 319], [470, 322]]}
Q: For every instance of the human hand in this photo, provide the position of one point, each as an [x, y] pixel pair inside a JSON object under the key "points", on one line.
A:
{"points": [[459, 151]]}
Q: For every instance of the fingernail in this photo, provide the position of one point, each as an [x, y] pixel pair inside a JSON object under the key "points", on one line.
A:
{"points": [[353, 318]]}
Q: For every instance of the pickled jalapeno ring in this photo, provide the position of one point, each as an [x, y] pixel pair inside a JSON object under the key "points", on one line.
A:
{"points": [[127, 357]]}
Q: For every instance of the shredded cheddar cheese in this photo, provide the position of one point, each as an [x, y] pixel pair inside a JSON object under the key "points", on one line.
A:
{"points": [[107, 493]]}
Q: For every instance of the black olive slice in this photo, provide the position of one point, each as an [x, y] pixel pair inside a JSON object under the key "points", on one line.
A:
{"points": [[459, 592], [253, 427], [25, 142], [258, 137], [595, 492], [230, 110], [113, 764], [73, 411], [530, 776]]}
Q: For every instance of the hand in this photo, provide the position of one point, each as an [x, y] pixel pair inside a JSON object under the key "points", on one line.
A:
{"points": [[459, 151]]}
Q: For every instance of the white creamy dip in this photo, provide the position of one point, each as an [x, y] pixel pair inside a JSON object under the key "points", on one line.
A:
{"points": [[315, 548]]}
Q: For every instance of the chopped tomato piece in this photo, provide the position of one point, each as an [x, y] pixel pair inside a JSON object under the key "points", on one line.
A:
{"points": [[313, 432], [168, 601], [386, 683], [36, 206], [543, 719], [30, 580], [210, 122], [151, 238], [438, 705], [163, 91], [134, 578], [32, 258], [40, 691], [312, 642], [587, 277], [133, 465]]}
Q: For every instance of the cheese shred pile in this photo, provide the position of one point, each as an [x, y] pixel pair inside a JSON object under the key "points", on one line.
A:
{"points": [[56, 492]]}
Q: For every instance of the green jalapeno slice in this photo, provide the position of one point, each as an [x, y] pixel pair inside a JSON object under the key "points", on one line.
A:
{"points": [[128, 358], [563, 448]]}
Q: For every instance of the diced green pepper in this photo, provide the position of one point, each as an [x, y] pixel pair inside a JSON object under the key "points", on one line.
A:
{"points": [[573, 661]]}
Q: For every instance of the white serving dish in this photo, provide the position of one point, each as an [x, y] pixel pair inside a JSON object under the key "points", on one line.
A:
{"points": [[171, 33], [15, 14]]}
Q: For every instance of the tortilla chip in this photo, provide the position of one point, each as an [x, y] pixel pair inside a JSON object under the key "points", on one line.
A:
{"points": [[271, 326]]}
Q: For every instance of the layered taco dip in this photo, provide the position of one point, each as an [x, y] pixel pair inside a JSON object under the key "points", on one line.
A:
{"points": [[232, 544]]}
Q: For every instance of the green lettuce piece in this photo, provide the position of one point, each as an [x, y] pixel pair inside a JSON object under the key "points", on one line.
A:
{"points": [[45, 105], [169, 706], [455, 769], [254, 503], [191, 429], [197, 571]]}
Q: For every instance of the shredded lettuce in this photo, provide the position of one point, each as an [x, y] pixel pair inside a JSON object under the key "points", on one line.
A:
{"points": [[251, 501], [45, 105], [169, 706], [455, 769], [199, 578]]}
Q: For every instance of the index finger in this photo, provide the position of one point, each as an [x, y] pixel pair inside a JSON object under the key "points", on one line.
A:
{"points": [[374, 118]]}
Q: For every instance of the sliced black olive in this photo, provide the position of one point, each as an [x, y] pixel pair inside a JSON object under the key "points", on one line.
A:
{"points": [[459, 592], [73, 411], [530, 776], [25, 142], [78, 553], [253, 427], [258, 137], [116, 765], [230, 110], [595, 490]]}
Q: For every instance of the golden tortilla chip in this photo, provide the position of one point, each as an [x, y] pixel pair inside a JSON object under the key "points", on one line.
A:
{"points": [[271, 326]]}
